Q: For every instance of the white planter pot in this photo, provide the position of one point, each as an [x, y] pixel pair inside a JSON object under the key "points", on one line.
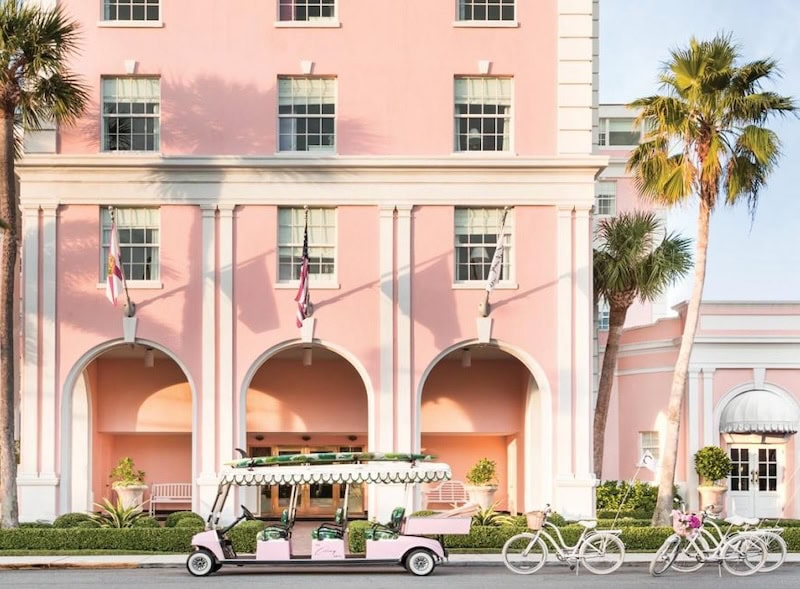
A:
{"points": [[713, 495], [481, 495], [131, 495]]}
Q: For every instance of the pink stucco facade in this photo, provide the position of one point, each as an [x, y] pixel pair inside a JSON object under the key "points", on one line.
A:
{"points": [[397, 354]]}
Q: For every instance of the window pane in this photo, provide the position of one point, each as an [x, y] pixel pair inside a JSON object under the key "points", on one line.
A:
{"points": [[306, 114], [482, 114], [137, 232], [475, 237], [321, 243]]}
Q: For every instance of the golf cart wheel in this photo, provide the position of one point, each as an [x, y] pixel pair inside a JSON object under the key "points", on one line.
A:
{"points": [[420, 562], [201, 563]]}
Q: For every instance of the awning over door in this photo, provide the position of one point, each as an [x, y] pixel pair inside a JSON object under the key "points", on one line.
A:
{"points": [[759, 411]]}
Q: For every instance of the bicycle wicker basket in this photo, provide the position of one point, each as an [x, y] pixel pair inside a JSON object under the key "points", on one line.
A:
{"points": [[686, 524], [535, 519]]}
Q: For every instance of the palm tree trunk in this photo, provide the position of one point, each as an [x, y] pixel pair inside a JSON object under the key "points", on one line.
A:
{"points": [[670, 456], [616, 321], [9, 514]]}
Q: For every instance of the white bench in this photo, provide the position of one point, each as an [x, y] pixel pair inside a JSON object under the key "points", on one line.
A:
{"points": [[169, 493], [451, 492]]}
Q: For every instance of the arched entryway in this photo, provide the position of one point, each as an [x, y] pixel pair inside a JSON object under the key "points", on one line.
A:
{"points": [[302, 398], [125, 400], [490, 400]]}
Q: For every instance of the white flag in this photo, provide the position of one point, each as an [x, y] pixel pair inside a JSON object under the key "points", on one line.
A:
{"points": [[648, 461], [496, 268]]}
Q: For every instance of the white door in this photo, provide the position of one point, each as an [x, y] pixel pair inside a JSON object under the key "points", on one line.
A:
{"points": [[755, 486]]}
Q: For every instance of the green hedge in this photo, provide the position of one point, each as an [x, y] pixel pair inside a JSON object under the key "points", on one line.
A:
{"points": [[133, 539], [244, 535]]}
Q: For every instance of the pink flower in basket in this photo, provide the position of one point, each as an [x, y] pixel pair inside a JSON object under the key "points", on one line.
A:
{"points": [[686, 524]]}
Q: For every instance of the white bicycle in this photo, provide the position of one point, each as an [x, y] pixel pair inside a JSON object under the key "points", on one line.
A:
{"points": [[601, 552]]}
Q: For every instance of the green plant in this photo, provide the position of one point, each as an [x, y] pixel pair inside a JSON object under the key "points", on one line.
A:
{"points": [[177, 516], [116, 515], [125, 474], [71, 520], [491, 517], [483, 473], [146, 521], [712, 464]]}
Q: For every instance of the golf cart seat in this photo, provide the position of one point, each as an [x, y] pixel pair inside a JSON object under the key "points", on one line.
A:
{"points": [[281, 530], [387, 531], [331, 530]]}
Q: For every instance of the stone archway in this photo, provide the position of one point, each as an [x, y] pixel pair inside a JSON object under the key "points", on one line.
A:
{"points": [[305, 397], [525, 447], [94, 427]]}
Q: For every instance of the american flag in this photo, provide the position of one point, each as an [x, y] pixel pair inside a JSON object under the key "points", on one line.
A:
{"points": [[303, 299]]}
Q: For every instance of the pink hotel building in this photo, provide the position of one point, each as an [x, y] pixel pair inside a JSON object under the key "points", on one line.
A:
{"points": [[210, 131]]}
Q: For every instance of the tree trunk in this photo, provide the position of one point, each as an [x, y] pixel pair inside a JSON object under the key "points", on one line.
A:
{"points": [[616, 321], [670, 457], [9, 514]]}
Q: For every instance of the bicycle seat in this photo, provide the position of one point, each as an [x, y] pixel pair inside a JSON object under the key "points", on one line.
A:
{"points": [[589, 525], [738, 520]]}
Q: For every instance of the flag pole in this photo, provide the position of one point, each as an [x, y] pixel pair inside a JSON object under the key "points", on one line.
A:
{"points": [[485, 308], [130, 307], [309, 304]]}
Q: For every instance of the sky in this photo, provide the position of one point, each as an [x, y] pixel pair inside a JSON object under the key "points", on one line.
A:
{"points": [[749, 258]]}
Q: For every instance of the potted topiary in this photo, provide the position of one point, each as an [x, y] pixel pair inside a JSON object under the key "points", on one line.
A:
{"points": [[482, 483], [128, 483], [713, 466]]}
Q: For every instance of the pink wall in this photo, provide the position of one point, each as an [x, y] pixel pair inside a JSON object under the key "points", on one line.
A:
{"points": [[487, 398], [462, 452], [393, 98], [333, 398], [132, 398], [165, 458], [168, 315]]}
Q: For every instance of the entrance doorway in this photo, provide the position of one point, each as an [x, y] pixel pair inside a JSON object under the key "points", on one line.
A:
{"points": [[756, 480], [318, 499]]}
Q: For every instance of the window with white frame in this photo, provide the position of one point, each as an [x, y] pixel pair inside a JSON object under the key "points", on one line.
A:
{"points": [[131, 114], [486, 10], [476, 234], [306, 10], [649, 442], [619, 132], [306, 114], [603, 314], [138, 231], [482, 114], [131, 10], [605, 198], [321, 243]]}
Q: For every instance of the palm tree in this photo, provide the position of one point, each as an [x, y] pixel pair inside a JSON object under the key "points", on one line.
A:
{"points": [[35, 86], [634, 260], [705, 137]]}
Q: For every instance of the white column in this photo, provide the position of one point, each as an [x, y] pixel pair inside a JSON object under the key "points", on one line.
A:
{"points": [[207, 433], [583, 346], [405, 396], [384, 430], [47, 361], [575, 55], [709, 439], [381, 500], [226, 442], [79, 497], [693, 434], [563, 425], [29, 397]]}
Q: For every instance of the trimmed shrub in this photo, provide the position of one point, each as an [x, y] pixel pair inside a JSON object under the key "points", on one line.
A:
{"points": [[77, 539], [191, 523], [146, 522], [174, 517], [610, 514], [357, 543], [244, 535], [71, 520], [36, 525]]}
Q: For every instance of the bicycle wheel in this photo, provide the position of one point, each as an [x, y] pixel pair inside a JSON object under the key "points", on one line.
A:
{"points": [[776, 551], [691, 555], [602, 554], [665, 555], [524, 553], [743, 554]]}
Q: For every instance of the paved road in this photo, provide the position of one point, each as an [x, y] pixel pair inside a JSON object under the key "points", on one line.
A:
{"points": [[445, 577]]}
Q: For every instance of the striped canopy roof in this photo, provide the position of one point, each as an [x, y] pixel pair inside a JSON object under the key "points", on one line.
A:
{"points": [[372, 472]]}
